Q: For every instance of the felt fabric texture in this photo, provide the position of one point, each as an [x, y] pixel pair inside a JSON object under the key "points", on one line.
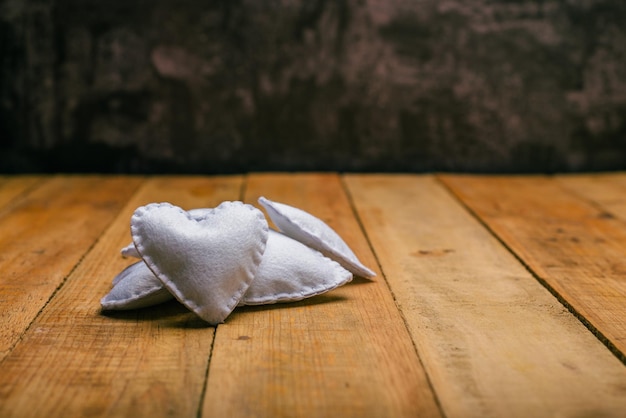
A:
{"points": [[207, 265], [306, 228], [135, 287], [291, 271], [131, 251]]}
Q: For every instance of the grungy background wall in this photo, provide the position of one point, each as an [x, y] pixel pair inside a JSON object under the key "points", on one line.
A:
{"points": [[239, 85]]}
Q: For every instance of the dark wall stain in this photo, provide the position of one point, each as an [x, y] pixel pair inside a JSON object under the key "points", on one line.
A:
{"points": [[241, 85]]}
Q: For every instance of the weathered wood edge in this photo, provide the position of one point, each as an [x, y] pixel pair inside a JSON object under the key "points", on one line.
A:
{"points": [[34, 195], [616, 351], [111, 251], [573, 326], [324, 203]]}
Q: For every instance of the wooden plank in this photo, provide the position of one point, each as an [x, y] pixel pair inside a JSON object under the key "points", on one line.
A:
{"points": [[607, 191], [12, 187], [494, 342], [74, 361], [44, 236], [344, 354], [570, 244]]}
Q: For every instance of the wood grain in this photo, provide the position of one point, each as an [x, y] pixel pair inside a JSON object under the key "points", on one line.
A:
{"points": [[344, 354], [74, 361], [494, 342], [607, 191], [569, 243], [455, 327], [44, 236], [12, 188]]}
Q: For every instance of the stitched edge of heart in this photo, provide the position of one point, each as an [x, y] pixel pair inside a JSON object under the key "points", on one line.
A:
{"points": [[312, 239], [306, 292], [149, 296], [131, 251], [171, 286]]}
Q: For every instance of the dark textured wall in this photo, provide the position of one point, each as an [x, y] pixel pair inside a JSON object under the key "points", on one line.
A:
{"points": [[239, 85]]}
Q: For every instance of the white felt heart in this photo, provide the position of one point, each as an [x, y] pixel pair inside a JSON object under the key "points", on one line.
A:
{"points": [[292, 271], [207, 265], [131, 251], [315, 233], [135, 287]]}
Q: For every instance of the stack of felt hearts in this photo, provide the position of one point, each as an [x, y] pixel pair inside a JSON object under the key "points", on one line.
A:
{"points": [[213, 260]]}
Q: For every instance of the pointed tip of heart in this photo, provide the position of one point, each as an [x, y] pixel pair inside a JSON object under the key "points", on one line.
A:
{"points": [[312, 231]]}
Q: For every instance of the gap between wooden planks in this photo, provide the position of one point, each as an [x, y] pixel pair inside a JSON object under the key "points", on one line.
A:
{"points": [[573, 245], [43, 235], [74, 361], [344, 354], [308, 359], [494, 342], [489, 340]]}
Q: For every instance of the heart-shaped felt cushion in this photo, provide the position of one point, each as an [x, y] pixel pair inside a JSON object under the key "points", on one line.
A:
{"points": [[312, 231], [208, 264], [291, 271], [135, 287]]}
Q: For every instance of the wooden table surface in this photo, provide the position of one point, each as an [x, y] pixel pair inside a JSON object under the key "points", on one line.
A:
{"points": [[496, 296]]}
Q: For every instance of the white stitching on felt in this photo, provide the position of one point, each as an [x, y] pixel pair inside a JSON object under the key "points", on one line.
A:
{"points": [[257, 257], [249, 275], [321, 244]]}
